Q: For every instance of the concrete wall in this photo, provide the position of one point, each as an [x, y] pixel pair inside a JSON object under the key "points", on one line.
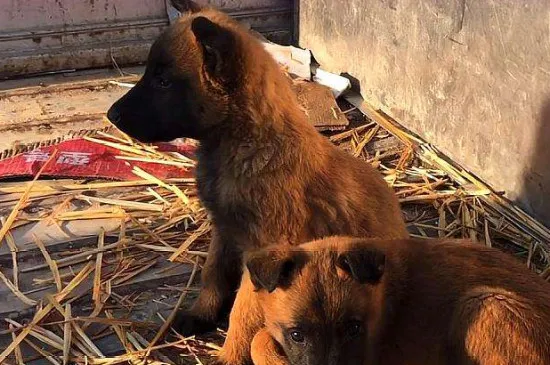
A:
{"points": [[472, 77]]}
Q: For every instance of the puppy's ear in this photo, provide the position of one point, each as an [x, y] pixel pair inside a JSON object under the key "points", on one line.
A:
{"points": [[186, 6], [216, 42], [271, 269], [363, 264]]}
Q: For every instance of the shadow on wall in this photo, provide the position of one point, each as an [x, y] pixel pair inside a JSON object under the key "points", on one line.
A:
{"points": [[535, 194]]}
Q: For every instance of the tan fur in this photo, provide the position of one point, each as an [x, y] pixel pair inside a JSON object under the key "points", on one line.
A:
{"points": [[265, 350], [436, 303], [265, 174]]}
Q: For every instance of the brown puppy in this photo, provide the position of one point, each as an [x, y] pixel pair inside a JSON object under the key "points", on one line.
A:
{"points": [[345, 301], [264, 173]]}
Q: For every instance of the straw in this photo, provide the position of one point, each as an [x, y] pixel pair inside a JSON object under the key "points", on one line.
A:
{"points": [[114, 279], [22, 201]]}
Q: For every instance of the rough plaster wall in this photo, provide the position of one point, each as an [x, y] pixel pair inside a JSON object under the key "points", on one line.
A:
{"points": [[471, 76]]}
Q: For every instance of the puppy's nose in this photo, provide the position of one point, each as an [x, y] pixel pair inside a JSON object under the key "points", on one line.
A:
{"points": [[113, 115]]}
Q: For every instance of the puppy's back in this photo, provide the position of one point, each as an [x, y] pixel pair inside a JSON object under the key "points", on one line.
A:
{"points": [[472, 305]]}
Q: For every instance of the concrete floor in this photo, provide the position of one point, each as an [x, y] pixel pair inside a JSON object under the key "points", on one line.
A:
{"points": [[44, 108]]}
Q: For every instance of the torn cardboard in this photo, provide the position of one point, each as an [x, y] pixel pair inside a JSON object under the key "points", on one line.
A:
{"points": [[320, 106]]}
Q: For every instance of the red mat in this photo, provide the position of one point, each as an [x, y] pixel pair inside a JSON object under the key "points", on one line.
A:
{"points": [[79, 158]]}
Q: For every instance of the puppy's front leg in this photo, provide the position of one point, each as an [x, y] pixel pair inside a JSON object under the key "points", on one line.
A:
{"points": [[266, 351], [245, 321], [220, 277]]}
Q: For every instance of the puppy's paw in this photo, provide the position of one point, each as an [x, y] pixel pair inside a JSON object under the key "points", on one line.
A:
{"points": [[188, 324]]}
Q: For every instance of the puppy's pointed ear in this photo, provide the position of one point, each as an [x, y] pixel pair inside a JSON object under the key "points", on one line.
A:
{"points": [[217, 43], [186, 6], [271, 269], [363, 264]]}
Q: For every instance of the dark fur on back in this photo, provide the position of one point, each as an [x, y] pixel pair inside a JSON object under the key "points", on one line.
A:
{"points": [[264, 173], [348, 301]]}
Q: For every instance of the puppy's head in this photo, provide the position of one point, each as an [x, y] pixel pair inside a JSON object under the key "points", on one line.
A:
{"points": [[191, 75], [323, 301]]}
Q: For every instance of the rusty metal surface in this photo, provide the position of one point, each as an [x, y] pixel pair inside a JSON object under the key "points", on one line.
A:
{"points": [[472, 77], [51, 109], [27, 15], [42, 36]]}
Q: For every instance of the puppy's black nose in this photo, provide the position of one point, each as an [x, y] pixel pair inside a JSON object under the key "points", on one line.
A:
{"points": [[113, 115]]}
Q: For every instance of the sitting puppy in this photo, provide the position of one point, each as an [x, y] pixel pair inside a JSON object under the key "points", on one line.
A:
{"points": [[264, 173], [345, 301]]}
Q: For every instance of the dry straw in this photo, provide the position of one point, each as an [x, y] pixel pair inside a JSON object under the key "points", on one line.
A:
{"points": [[101, 288]]}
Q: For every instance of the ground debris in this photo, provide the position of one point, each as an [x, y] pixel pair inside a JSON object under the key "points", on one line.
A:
{"points": [[103, 297]]}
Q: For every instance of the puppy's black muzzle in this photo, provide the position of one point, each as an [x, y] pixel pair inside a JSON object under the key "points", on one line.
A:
{"points": [[114, 115]]}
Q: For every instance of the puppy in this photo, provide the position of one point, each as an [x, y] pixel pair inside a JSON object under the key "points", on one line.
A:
{"points": [[264, 173], [351, 301]]}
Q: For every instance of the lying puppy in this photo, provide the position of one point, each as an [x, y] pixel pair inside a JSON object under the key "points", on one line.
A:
{"points": [[345, 301], [264, 173]]}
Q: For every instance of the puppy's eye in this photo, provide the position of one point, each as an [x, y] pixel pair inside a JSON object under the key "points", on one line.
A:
{"points": [[297, 336], [163, 83], [354, 328]]}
